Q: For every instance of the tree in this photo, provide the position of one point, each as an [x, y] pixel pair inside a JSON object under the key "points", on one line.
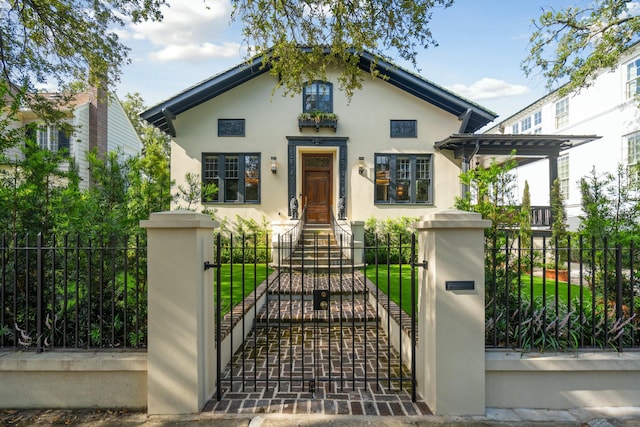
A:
{"points": [[493, 196], [572, 45], [302, 40], [60, 42], [150, 182], [558, 213], [525, 216]]}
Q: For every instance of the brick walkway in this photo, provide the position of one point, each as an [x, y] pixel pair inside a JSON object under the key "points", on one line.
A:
{"points": [[299, 360]]}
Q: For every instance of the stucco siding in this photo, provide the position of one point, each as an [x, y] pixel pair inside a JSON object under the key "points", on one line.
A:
{"points": [[364, 123]]}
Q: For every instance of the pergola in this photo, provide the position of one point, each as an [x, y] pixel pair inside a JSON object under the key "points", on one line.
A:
{"points": [[526, 148]]}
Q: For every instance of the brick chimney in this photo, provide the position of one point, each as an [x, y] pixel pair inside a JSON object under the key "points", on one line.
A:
{"points": [[98, 118]]}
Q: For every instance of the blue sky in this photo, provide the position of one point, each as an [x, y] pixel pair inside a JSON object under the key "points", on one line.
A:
{"points": [[481, 46]]}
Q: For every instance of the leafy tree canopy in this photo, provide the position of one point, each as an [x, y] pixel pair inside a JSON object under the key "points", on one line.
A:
{"points": [[301, 40], [571, 45], [60, 43]]}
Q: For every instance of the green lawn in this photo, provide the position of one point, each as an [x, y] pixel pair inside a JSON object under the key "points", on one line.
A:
{"points": [[382, 275], [386, 274], [550, 290], [231, 282]]}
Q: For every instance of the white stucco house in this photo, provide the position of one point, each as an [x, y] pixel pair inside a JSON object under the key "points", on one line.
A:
{"points": [[99, 123], [608, 108], [371, 157]]}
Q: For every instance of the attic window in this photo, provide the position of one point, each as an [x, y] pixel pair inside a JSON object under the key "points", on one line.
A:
{"points": [[318, 96]]}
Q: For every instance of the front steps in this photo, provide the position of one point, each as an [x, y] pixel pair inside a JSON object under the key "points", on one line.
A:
{"points": [[290, 301], [319, 251]]}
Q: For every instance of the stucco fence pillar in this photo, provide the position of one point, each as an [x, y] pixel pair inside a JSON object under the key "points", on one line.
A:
{"points": [[181, 356], [450, 358]]}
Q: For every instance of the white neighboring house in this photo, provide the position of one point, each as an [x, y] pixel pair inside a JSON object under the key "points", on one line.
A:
{"points": [[607, 108], [99, 123]]}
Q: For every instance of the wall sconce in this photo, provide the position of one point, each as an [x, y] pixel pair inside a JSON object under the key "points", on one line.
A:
{"points": [[274, 164], [361, 165]]}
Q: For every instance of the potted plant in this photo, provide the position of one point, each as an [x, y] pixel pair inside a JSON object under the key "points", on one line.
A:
{"points": [[318, 119]]}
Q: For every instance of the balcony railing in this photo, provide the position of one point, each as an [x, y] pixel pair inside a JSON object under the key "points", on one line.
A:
{"points": [[540, 216]]}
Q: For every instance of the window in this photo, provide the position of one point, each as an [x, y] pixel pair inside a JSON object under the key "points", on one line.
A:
{"points": [[404, 128], [562, 113], [514, 129], [50, 138], [237, 177], [537, 118], [633, 78], [318, 96], [231, 127], [633, 155], [563, 176], [526, 123], [403, 178]]}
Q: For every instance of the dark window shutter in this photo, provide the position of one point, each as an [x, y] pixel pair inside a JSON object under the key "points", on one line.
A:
{"points": [[30, 133], [63, 142]]}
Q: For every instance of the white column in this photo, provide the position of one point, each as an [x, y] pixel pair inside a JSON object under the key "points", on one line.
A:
{"points": [[450, 355], [181, 341]]}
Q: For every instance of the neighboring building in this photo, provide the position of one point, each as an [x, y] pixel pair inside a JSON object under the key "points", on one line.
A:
{"points": [[100, 124], [608, 108], [375, 159]]}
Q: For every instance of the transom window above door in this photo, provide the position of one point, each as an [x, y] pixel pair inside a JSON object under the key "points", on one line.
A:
{"points": [[317, 96]]}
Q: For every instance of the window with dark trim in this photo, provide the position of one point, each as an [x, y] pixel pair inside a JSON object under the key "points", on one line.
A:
{"points": [[404, 128], [49, 138], [237, 176], [403, 178], [231, 127], [317, 96]]}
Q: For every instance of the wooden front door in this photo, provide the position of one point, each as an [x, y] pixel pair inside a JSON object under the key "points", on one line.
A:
{"points": [[317, 182]]}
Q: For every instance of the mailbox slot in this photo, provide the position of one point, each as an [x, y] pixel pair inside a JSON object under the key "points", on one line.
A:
{"points": [[321, 299]]}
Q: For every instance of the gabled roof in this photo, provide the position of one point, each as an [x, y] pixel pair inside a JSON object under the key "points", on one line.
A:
{"points": [[474, 115]]}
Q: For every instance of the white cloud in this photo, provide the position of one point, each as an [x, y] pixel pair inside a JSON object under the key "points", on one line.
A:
{"points": [[174, 52], [488, 88], [192, 30]]}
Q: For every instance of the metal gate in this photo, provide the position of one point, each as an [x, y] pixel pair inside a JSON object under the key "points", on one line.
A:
{"points": [[314, 320]]}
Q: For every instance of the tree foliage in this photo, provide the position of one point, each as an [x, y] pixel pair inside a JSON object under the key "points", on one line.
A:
{"points": [[611, 206], [492, 195], [572, 45], [60, 43], [301, 40]]}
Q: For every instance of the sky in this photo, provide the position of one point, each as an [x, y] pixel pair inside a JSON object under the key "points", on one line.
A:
{"points": [[481, 45]]}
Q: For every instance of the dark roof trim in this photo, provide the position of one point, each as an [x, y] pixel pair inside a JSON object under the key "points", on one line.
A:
{"points": [[402, 79], [535, 145], [202, 92], [169, 117]]}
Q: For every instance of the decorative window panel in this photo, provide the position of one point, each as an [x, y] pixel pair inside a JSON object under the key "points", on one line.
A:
{"points": [[404, 128], [231, 127]]}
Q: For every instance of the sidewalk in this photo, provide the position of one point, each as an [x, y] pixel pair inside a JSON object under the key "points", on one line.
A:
{"points": [[594, 417]]}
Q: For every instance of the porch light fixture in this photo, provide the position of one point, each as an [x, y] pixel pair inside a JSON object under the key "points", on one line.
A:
{"points": [[274, 164], [361, 165]]}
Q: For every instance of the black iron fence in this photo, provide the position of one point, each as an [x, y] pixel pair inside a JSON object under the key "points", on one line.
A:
{"points": [[72, 292], [578, 293]]}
